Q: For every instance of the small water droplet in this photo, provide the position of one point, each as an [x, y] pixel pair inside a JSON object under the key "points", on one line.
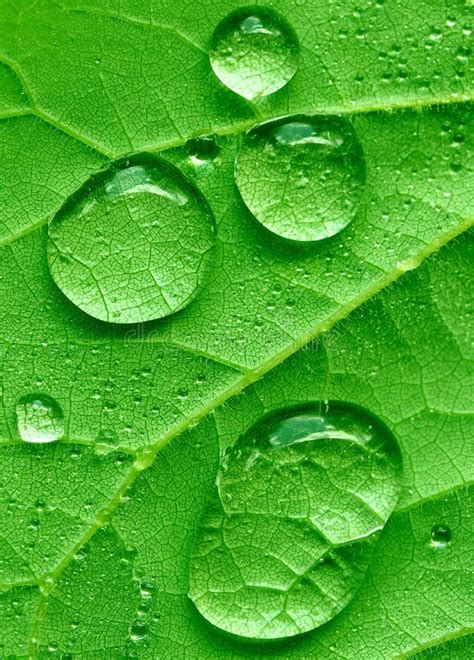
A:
{"points": [[463, 54], [202, 150], [138, 631], [144, 458], [145, 266], [80, 554], [182, 395], [440, 536], [107, 441], [39, 418], [147, 589], [302, 177], [110, 406], [143, 608], [409, 264], [40, 506], [254, 51], [109, 385]]}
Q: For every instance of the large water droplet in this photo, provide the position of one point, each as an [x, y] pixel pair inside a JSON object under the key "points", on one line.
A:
{"points": [[302, 177], [133, 243], [287, 535], [39, 418], [254, 51]]}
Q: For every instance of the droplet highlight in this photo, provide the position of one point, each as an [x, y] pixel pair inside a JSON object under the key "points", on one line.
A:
{"points": [[288, 532], [133, 244], [302, 177], [39, 419], [254, 52]]}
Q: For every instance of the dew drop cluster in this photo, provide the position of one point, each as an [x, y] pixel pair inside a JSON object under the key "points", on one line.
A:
{"points": [[135, 242]]}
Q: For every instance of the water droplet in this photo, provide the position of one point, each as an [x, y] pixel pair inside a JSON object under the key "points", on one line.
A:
{"points": [[254, 51], [440, 536], [80, 554], [156, 235], [138, 631], [107, 441], [304, 492], [143, 608], [202, 150], [409, 264], [110, 406], [39, 418], [463, 54], [182, 395], [302, 177], [40, 506], [147, 589]]}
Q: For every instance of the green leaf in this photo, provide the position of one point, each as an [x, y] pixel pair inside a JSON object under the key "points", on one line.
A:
{"points": [[414, 595], [91, 521], [159, 514]]}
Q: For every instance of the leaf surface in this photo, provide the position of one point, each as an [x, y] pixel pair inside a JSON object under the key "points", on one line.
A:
{"points": [[152, 530], [84, 82]]}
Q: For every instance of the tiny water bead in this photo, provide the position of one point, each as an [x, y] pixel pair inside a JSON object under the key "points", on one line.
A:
{"points": [[440, 536], [254, 52], [288, 532], [133, 244], [302, 177], [39, 418]]}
